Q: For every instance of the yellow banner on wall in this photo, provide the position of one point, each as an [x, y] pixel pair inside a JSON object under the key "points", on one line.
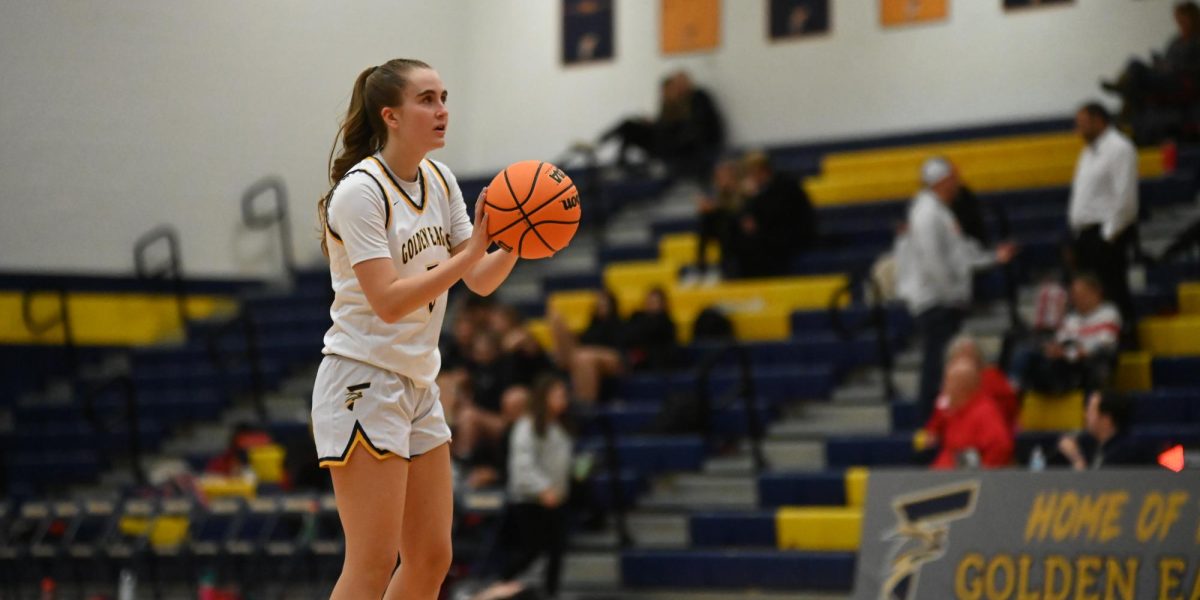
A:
{"points": [[690, 25], [906, 12]]}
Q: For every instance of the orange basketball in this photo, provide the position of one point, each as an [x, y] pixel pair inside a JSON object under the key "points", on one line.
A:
{"points": [[532, 208]]}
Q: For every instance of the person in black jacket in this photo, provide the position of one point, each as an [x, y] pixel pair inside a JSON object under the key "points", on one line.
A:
{"points": [[687, 135], [776, 223], [650, 342], [1106, 441], [969, 214]]}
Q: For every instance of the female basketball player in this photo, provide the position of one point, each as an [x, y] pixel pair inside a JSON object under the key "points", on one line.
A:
{"points": [[398, 236]]}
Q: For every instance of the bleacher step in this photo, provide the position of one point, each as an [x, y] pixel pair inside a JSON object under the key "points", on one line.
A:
{"points": [[648, 530], [691, 491], [591, 570], [816, 421], [796, 455]]}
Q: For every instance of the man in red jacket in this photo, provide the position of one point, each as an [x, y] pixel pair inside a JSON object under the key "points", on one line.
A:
{"points": [[972, 431]]}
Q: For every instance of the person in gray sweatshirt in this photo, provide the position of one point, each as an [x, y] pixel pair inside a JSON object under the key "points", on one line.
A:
{"points": [[539, 470]]}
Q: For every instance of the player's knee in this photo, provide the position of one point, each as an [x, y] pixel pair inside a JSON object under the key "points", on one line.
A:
{"points": [[432, 559], [373, 570]]}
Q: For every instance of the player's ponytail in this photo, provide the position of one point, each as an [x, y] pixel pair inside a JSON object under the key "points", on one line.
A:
{"points": [[363, 132]]}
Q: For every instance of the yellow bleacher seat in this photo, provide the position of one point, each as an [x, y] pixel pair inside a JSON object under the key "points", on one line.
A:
{"points": [[1001, 171], [108, 319], [1170, 336], [1044, 412], [630, 281], [679, 249], [819, 528], [856, 486], [168, 531], [575, 306], [215, 486], [1189, 298], [267, 462], [1133, 372], [911, 156], [759, 307]]}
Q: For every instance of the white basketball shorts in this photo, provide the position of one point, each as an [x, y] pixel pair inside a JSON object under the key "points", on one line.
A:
{"points": [[356, 405]]}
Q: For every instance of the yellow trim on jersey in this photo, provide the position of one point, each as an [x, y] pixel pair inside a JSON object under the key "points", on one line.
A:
{"points": [[359, 439], [441, 178], [420, 208]]}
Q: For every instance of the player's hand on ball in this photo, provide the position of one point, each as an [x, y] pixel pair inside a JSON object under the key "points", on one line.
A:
{"points": [[478, 244]]}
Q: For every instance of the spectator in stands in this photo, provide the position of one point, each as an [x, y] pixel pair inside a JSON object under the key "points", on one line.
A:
{"points": [[776, 222], [1104, 204], [993, 384], [596, 354], [651, 343], [718, 211], [1175, 69], [235, 460], [524, 357], [972, 431], [485, 462], [688, 134], [935, 263], [968, 213], [539, 465], [1083, 351], [478, 414], [1106, 441]]}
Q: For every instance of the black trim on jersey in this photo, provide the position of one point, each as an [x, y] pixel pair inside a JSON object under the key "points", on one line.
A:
{"points": [[420, 180], [354, 433], [387, 206], [441, 177]]}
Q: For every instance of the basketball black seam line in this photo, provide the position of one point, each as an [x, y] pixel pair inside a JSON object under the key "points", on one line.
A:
{"points": [[521, 205], [521, 241], [515, 208], [532, 212]]}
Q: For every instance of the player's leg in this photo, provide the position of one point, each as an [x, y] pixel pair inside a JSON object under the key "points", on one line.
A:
{"points": [[370, 497], [425, 547]]}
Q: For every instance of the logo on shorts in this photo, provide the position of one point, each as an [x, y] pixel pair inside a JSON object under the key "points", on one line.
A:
{"points": [[353, 393]]}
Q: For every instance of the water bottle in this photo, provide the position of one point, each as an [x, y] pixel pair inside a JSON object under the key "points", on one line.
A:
{"points": [[127, 588], [1037, 460]]}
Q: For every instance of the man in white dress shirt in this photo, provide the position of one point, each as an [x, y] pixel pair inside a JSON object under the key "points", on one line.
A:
{"points": [[935, 266], [1104, 204]]}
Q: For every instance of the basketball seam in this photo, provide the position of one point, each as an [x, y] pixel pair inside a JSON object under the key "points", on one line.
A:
{"points": [[552, 248], [532, 212], [521, 206]]}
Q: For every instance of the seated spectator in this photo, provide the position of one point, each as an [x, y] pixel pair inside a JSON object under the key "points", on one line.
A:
{"points": [[650, 340], [1084, 349], [776, 221], [993, 384], [972, 432], [596, 354], [1106, 441], [523, 356], [688, 134], [235, 460], [718, 210], [539, 466], [486, 463], [1167, 73], [478, 417]]}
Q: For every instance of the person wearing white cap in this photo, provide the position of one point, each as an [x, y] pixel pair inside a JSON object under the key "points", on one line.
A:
{"points": [[935, 270]]}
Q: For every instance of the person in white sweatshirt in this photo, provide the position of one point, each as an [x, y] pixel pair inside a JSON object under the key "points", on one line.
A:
{"points": [[935, 264], [539, 471]]}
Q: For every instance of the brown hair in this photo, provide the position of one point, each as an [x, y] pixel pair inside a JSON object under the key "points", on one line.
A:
{"points": [[362, 132], [539, 401]]}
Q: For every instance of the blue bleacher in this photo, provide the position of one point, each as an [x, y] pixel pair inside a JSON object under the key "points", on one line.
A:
{"points": [[725, 569]]}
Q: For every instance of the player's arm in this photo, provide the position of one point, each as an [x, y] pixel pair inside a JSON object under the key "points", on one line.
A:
{"points": [[392, 296], [486, 275]]}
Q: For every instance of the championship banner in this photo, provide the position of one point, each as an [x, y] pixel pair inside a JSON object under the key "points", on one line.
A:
{"points": [[1051, 535]]}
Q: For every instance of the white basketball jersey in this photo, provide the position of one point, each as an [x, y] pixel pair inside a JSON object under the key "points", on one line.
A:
{"points": [[374, 214]]}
